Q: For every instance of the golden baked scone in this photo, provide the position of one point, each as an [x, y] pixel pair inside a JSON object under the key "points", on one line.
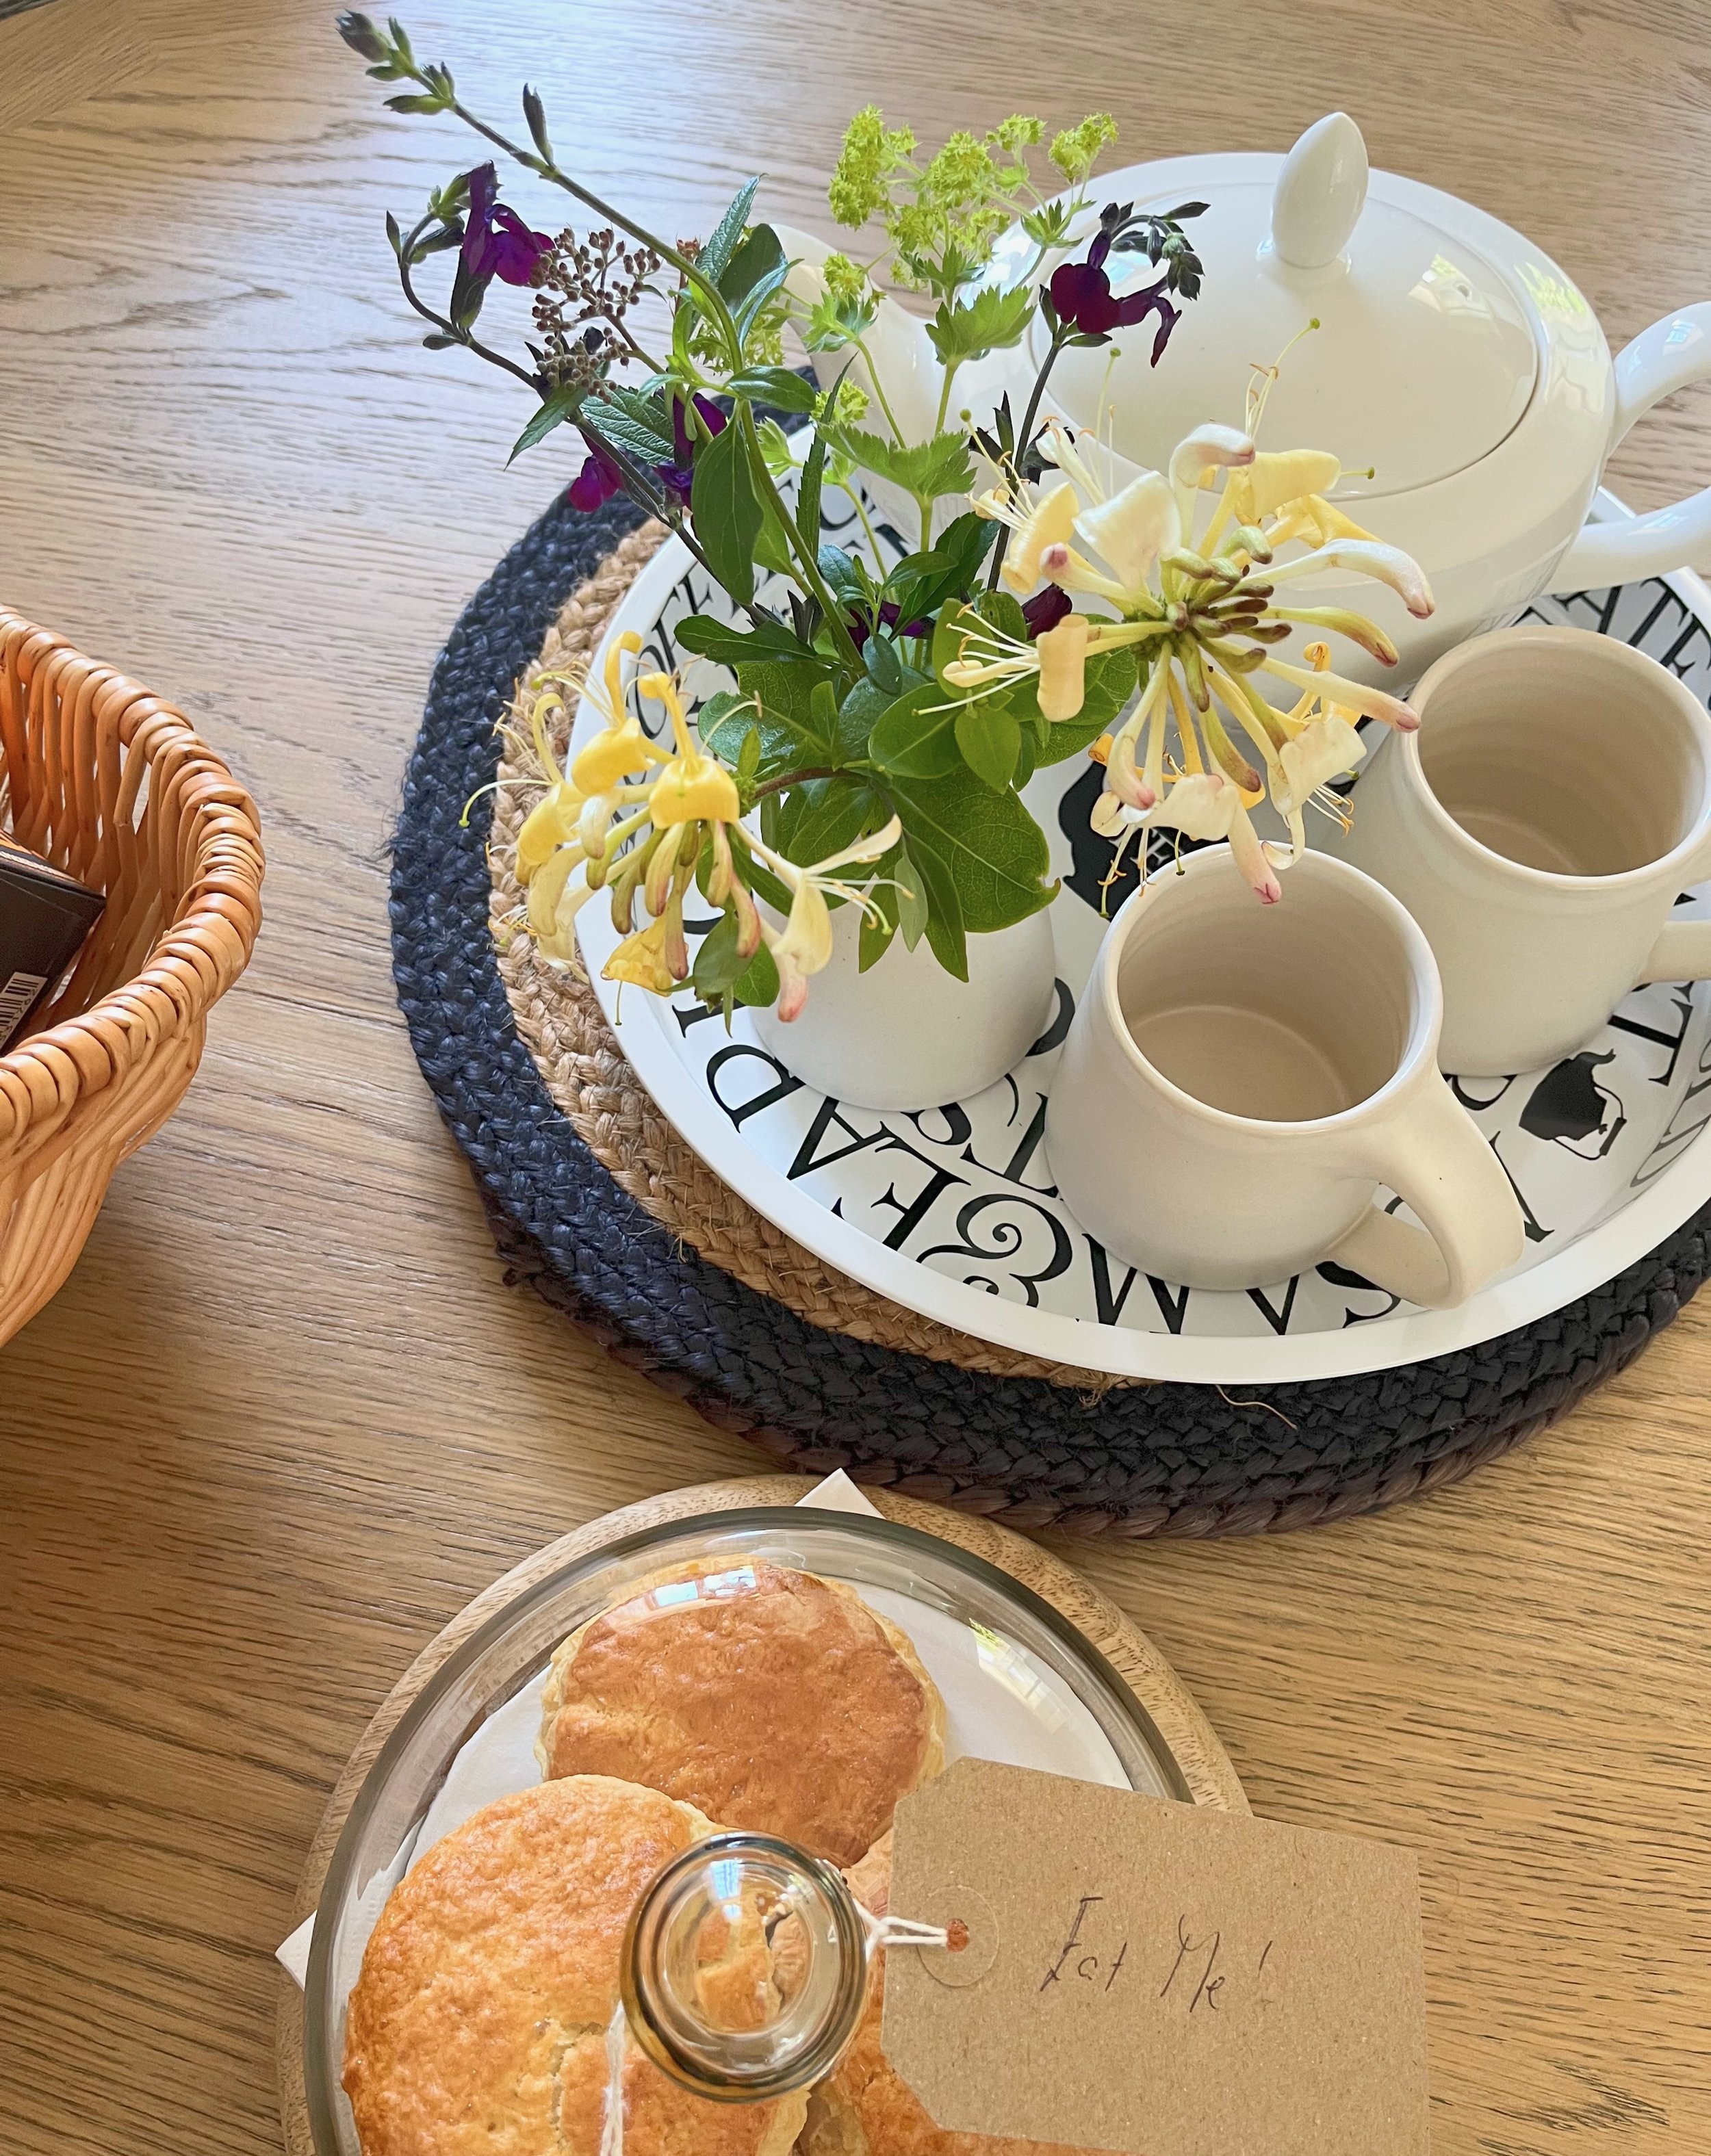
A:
{"points": [[478, 2024], [770, 1699], [864, 2108]]}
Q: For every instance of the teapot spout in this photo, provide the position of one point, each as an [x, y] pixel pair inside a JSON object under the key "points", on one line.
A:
{"points": [[1320, 194], [901, 352]]}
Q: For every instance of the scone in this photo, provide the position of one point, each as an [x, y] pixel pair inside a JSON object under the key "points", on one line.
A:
{"points": [[478, 2024], [767, 1698], [865, 2108]]}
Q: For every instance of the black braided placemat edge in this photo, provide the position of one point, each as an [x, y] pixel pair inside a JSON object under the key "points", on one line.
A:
{"points": [[1163, 1459]]}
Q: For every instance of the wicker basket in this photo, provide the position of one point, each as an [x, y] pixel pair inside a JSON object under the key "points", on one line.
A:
{"points": [[111, 785]]}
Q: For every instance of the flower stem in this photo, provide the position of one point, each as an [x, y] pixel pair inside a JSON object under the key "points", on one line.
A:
{"points": [[444, 323], [1025, 436], [884, 405], [792, 778], [713, 299], [743, 416]]}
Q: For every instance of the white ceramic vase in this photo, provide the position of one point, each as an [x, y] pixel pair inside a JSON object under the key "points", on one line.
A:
{"points": [[906, 1034]]}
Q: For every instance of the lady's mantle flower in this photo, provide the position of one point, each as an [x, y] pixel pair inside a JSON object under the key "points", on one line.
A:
{"points": [[496, 242]]}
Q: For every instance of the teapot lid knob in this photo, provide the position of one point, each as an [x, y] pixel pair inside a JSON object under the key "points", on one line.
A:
{"points": [[1319, 194]]}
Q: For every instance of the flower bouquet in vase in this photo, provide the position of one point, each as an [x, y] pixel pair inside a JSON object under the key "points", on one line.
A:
{"points": [[838, 777]]}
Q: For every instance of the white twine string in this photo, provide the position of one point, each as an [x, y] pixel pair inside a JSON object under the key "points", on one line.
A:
{"points": [[901, 1931], [612, 2131]]}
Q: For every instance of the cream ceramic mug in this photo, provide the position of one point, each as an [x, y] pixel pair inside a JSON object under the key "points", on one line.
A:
{"points": [[1554, 803], [1239, 1079]]}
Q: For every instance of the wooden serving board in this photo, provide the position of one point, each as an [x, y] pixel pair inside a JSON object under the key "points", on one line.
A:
{"points": [[1185, 1733]]}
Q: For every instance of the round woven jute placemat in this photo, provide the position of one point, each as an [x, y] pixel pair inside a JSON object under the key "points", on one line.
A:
{"points": [[604, 1210], [1184, 1733]]}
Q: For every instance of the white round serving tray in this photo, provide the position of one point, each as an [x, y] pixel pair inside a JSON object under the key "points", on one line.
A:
{"points": [[952, 1212]]}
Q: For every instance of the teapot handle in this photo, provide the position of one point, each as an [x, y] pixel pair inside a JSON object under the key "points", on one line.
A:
{"points": [[1660, 360]]}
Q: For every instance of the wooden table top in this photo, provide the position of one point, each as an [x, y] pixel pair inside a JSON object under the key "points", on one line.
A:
{"points": [[286, 1417]]}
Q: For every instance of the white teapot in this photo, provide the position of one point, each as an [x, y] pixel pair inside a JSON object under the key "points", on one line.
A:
{"points": [[1453, 358]]}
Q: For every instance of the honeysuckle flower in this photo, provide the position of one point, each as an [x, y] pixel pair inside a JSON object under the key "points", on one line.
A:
{"points": [[642, 960], [554, 904], [1202, 619], [804, 946], [1038, 520], [496, 242], [692, 786]]}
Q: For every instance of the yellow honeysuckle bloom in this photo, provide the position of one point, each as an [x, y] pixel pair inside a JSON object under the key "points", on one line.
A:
{"points": [[554, 902], [1276, 478], [612, 754], [804, 946], [1038, 522], [595, 768], [1200, 613], [640, 959], [692, 786], [1063, 659], [549, 825]]}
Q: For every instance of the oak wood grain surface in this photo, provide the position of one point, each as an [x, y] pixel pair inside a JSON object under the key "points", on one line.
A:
{"points": [[285, 1418]]}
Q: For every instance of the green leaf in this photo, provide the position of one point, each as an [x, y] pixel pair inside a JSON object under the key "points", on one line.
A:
{"points": [[771, 549], [560, 406], [780, 386], [915, 738], [715, 257], [822, 816], [990, 738], [759, 985], [638, 426], [946, 932], [846, 578], [987, 843], [808, 495], [718, 964], [750, 263], [877, 929], [940, 466], [726, 512], [911, 896], [726, 724], [727, 645], [789, 697], [747, 311], [921, 583], [884, 667], [968, 329]]}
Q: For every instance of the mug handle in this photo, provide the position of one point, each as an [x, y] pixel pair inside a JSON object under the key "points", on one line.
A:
{"points": [[1682, 952], [1660, 360], [1434, 1157]]}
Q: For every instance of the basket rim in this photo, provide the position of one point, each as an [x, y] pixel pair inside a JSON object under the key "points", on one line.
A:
{"points": [[196, 956]]}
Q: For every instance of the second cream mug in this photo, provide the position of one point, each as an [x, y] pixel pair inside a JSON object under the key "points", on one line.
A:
{"points": [[1539, 827], [1240, 1079]]}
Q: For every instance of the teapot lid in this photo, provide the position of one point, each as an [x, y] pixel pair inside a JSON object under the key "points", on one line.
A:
{"points": [[1424, 361]]}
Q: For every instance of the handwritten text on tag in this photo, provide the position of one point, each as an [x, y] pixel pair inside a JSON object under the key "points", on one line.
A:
{"points": [[1150, 1977]]}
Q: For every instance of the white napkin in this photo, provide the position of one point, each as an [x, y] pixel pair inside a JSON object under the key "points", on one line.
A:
{"points": [[501, 1758]]}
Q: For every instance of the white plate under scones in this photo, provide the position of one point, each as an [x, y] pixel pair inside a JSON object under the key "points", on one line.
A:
{"points": [[754, 1663]]}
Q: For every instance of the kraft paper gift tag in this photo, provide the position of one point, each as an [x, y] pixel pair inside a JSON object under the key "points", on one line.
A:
{"points": [[1152, 1977]]}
